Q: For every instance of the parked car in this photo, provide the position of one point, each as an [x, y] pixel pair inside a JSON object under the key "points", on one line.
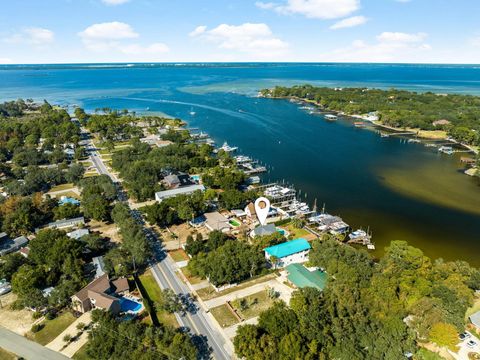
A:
{"points": [[471, 343], [5, 287], [464, 336]]}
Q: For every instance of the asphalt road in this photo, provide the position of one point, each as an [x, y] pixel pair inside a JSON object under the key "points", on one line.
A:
{"points": [[195, 321], [25, 348]]}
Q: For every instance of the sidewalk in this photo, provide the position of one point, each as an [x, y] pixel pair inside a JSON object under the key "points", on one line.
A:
{"points": [[285, 293], [57, 344]]}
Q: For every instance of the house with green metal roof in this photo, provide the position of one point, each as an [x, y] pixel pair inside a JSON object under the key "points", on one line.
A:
{"points": [[290, 252], [301, 277]]}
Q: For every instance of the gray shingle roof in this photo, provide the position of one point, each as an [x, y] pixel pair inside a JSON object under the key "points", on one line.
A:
{"points": [[475, 319]]}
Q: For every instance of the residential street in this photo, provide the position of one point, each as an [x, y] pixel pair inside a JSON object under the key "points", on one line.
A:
{"points": [[25, 348], [165, 275]]}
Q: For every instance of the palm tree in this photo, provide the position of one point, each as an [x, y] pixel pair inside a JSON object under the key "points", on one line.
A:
{"points": [[274, 261]]}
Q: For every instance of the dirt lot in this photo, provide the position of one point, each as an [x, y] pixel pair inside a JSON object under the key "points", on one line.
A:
{"points": [[182, 231], [17, 321], [106, 230]]}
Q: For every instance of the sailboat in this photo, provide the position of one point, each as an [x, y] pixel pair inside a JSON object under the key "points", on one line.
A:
{"points": [[192, 112]]}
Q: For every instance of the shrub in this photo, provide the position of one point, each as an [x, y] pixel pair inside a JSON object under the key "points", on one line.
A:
{"points": [[37, 327], [50, 315]]}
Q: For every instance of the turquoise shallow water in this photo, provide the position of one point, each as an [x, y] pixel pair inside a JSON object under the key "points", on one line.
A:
{"points": [[399, 190]]}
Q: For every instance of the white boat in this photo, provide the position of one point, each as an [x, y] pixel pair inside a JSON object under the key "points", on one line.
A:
{"points": [[446, 150], [384, 135], [192, 112], [331, 117], [357, 234], [227, 148], [413, 141]]}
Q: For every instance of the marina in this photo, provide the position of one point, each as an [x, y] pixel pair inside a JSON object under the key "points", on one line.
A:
{"points": [[389, 185]]}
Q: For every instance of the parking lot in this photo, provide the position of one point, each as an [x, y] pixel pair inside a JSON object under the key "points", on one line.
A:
{"points": [[470, 344]]}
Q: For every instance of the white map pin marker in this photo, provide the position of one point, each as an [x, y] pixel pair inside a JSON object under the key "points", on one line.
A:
{"points": [[262, 207]]}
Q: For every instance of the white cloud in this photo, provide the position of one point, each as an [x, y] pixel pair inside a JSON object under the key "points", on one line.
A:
{"points": [[265, 5], [349, 22], [6, 61], [255, 39], [114, 36], [115, 2], [198, 30], [401, 37], [389, 47], [106, 36], [32, 35], [114, 30], [316, 9]]}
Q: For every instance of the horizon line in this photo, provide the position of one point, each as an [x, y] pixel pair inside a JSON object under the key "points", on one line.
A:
{"points": [[236, 62]]}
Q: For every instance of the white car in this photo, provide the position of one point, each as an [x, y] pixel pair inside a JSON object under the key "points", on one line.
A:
{"points": [[5, 288], [471, 344]]}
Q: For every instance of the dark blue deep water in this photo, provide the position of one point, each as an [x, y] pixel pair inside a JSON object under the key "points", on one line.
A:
{"points": [[398, 190]]}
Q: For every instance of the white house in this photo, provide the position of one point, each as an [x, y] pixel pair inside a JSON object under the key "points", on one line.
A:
{"points": [[159, 196], [290, 252]]}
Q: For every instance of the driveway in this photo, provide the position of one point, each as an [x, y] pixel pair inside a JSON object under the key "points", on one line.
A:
{"points": [[25, 348], [285, 293], [462, 354], [58, 343]]}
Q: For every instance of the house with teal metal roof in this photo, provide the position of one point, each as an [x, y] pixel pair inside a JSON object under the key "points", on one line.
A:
{"points": [[301, 277], [290, 252]]}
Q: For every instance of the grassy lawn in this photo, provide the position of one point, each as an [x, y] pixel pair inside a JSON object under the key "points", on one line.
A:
{"points": [[86, 163], [53, 328], [296, 233], [424, 354], [178, 255], [62, 187], [192, 279], [254, 304], [104, 152], [90, 174], [210, 293], [155, 294], [5, 355], [474, 308], [224, 316], [81, 354]]}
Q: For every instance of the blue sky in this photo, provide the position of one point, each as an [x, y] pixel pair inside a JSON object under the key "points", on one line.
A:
{"points": [[72, 31]]}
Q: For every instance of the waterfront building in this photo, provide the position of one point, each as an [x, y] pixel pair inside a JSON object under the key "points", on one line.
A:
{"points": [[159, 196], [290, 252], [302, 277]]}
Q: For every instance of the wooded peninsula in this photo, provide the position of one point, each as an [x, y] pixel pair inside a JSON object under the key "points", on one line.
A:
{"points": [[457, 115]]}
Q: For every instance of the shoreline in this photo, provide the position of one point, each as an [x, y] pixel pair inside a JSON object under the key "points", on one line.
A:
{"points": [[423, 134]]}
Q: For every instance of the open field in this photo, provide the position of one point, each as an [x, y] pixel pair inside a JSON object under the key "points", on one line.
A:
{"points": [[62, 187], [106, 230], [155, 293], [179, 255], [52, 328], [252, 305], [210, 293], [294, 232], [19, 321], [192, 279], [224, 316]]}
